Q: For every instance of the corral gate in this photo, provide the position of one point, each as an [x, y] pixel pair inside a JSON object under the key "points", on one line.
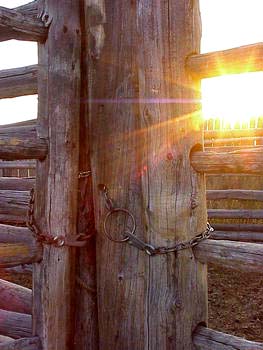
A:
{"points": [[119, 99]]}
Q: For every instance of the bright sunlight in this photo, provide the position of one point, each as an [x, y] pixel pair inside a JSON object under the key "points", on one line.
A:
{"points": [[232, 98]]}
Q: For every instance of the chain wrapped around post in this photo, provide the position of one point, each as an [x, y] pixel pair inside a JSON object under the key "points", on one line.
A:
{"points": [[79, 240], [130, 237]]}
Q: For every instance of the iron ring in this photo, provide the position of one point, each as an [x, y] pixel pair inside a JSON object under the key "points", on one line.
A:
{"points": [[109, 214]]}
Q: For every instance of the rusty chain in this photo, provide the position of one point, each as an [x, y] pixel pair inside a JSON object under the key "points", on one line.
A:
{"points": [[79, 240], [130, 237]]}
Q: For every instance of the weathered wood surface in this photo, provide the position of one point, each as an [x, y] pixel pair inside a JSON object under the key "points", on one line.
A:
{"points": [[230, 148], [235, 213], [22, 164], [57, 176], [13, 254], [208, 339], [248, 161], [14, 297], [233, 140], [15, 325], [21, 143], [29, 123], [86, 331], [14, 204], [17, 183], [232, 133], [255, 195], [13, 234], [4, 339], [20, 26], [22, 344], [241, 256], [142, 133], [240, 236], [25, 269], [18, 82], [239, 227], [232, 61]]}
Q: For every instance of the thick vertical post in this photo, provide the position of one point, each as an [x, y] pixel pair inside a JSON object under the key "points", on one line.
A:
{"points": [[57, 176], [145, 122]]}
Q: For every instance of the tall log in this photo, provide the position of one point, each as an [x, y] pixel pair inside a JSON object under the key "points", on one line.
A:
{"points": [[247, 257], [142, 134], [18, 82], [25, 344], [232, 61], [57, 176], [17, 183], [247, 161], [207, 339], [19, 26], [14, 297], [15, 325]]}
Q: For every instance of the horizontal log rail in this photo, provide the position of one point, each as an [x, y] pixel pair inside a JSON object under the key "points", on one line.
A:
{"points": [[239, 227], [25, 269], [15, 325], [240, 256], [22, 164], [18, 82], [14, 254], [208, 339], [17, 25], [222, 149], [235, 213], [233, 140], [22, 344], [239, 236], [255, 195], [241, 59], [4, 339], [14, 202], [11, 219], [17, 183], [232, 133], [30, 122], [14, 234], [14, 297], [249, 161]]}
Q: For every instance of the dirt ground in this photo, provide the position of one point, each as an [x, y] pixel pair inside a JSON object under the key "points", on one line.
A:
{"points": [[236, 302]]}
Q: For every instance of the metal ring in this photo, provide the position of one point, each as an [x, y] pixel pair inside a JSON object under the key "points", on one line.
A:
{"points": [[109, 214]]}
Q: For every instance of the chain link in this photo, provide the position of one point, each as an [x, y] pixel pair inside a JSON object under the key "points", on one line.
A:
{"points": [[130, 237], [79, 240]]}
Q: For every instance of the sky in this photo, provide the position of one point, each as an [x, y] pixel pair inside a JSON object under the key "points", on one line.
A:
{"points": [[225, 24]]}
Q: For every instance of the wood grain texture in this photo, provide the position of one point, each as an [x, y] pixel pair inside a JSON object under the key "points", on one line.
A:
{"points": [[255, 195], [25, 269], [142, 134], [241, 59], [240, 256], [22, 164], [14, 297], [247, 161], [57, 176], [86, 331], [17, 183], [19, 26], [14, 203], [207, 339], [22, 344], [15, 325], [240, 236], [239, 227], [235, 213], [18, 82], [13, 234]]}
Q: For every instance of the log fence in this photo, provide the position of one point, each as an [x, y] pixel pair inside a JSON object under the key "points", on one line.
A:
{"points": [[50, 147]]}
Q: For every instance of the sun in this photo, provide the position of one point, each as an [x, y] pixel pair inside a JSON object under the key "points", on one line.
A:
{"points": [[233, 98]]}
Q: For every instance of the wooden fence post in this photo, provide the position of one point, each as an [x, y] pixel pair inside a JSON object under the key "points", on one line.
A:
{"points": [[57, 176], [145, 121]]}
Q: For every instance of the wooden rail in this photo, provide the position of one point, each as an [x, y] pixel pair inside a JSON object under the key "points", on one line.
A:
{"points": [[22, 344], [14, 297], [234, 194], [232, 61], [17, 183], [239, 227], [25, 269], [18, 82], [17, 25], [14, 203], [235, 213], [22, 164], [233, 140], [208, 339], [240, 236], [241, 256], [243, 161], [232, 133], [14, 234], [15, 325]]}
